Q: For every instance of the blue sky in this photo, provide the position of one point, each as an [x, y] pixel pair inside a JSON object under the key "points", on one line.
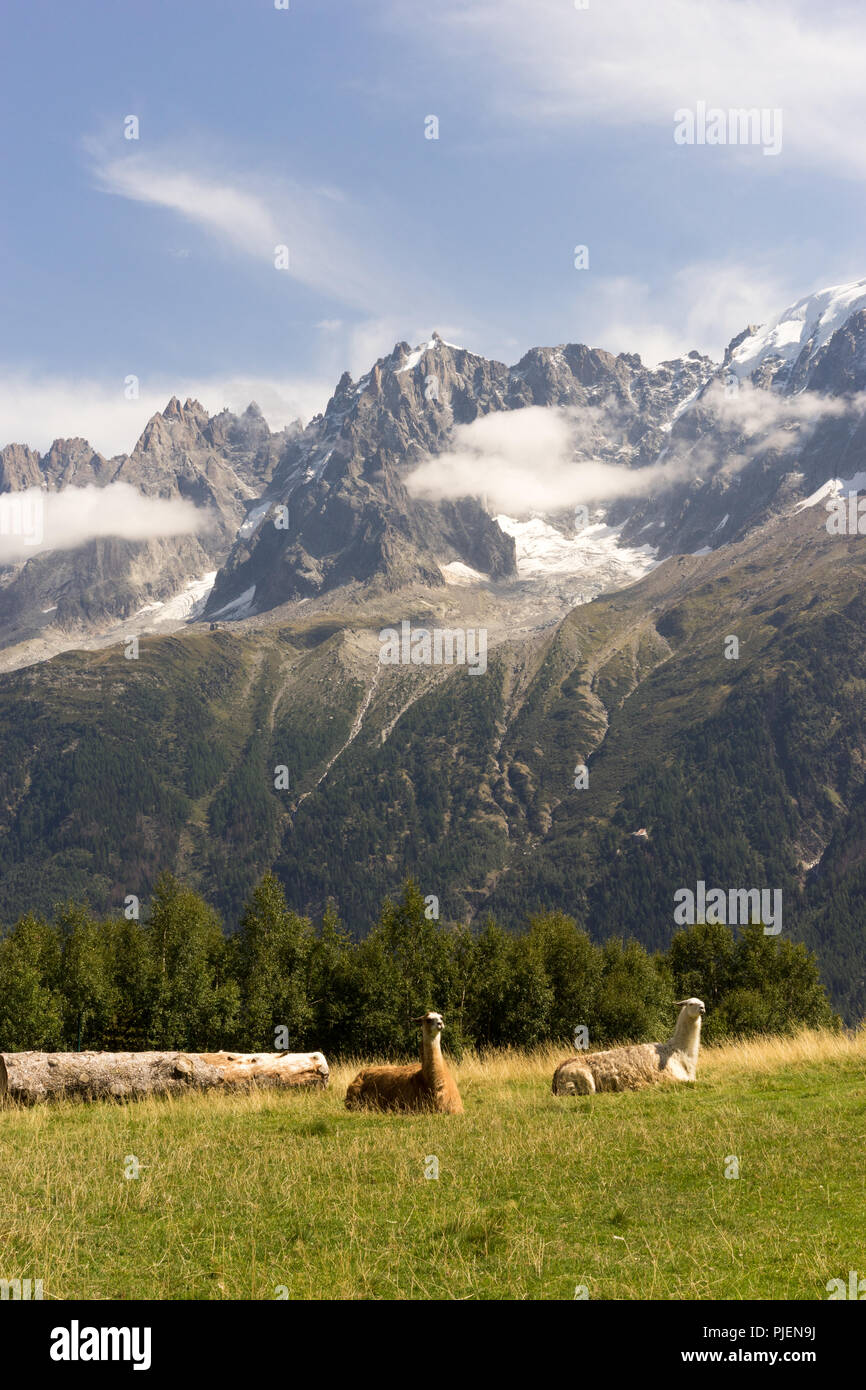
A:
{"points": [[306, 127]]}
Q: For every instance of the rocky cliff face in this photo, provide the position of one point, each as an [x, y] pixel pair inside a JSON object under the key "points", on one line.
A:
{"points": [[219, 463], [69, 462], [348, 514], [779, 418]]}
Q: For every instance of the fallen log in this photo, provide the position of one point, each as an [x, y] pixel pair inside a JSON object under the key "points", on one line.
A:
{"points": [[31, 1077]]}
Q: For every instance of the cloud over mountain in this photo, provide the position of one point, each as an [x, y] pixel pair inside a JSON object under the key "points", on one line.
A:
{"points": [[34, 520], [535, 459]]}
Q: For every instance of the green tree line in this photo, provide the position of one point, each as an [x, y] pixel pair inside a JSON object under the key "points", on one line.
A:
{"points": [[175, 980]]}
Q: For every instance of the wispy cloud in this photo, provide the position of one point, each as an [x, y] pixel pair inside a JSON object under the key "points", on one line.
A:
{"points": [[752, 421], [627, 63], [702, 306], [241, 218], [758, 412], [359, 259], [335, 246]]}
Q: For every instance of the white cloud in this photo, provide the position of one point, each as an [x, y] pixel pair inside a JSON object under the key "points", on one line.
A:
{"points": [[281, 401], [749, 422], [334, 246], [530, 460], [761, 420], [241, 218], [756, 411], [629, 63], [702, 306], [543, 459], [34, 521]]}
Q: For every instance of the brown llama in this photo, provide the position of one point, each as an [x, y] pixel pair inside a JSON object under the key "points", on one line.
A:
{"points": [[428, 1087]]}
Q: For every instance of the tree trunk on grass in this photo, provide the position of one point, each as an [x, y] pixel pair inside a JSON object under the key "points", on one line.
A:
{"points": [[30, 1077]]}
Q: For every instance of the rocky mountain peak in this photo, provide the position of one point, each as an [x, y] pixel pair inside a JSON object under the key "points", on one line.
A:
{"points": [[736, 342], [780, 353], [19, 468], [73, 461]]}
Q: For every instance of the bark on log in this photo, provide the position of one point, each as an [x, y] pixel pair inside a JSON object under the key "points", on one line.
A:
{"points": [[31, 1077]]}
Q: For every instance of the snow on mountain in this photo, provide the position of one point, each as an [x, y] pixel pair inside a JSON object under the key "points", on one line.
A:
{"points": [[834, 487], [458, 573], [808, 324], [357, 513], [252, 519], [239, 607], [190, 602], [415, 357], [543, 551], [186, 604]]}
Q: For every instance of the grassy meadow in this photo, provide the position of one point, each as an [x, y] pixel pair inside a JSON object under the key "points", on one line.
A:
{"points": [[245, 1197]]}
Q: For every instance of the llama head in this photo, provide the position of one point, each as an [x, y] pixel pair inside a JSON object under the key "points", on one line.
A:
{"points": [[432, 1023], [694, 1007]]}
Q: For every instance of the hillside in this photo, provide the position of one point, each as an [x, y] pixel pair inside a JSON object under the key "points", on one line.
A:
{"points": [[744, 773]]}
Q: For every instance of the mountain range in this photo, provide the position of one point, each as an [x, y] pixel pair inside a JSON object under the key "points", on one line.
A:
{"points": [[610, 526]]}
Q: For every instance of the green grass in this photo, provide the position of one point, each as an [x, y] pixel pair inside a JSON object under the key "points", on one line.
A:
{"points": [[623, 1193]]}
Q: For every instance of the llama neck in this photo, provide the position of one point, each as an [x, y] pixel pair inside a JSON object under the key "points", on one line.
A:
{"points": [[432, 1065], [687, 1036]]}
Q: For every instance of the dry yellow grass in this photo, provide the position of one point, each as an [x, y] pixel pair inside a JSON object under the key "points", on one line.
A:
{"points": [[764, 1054], [752, 1055]]}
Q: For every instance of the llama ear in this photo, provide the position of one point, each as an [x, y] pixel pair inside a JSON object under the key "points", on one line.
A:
{"points": [[681, 1003]]}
